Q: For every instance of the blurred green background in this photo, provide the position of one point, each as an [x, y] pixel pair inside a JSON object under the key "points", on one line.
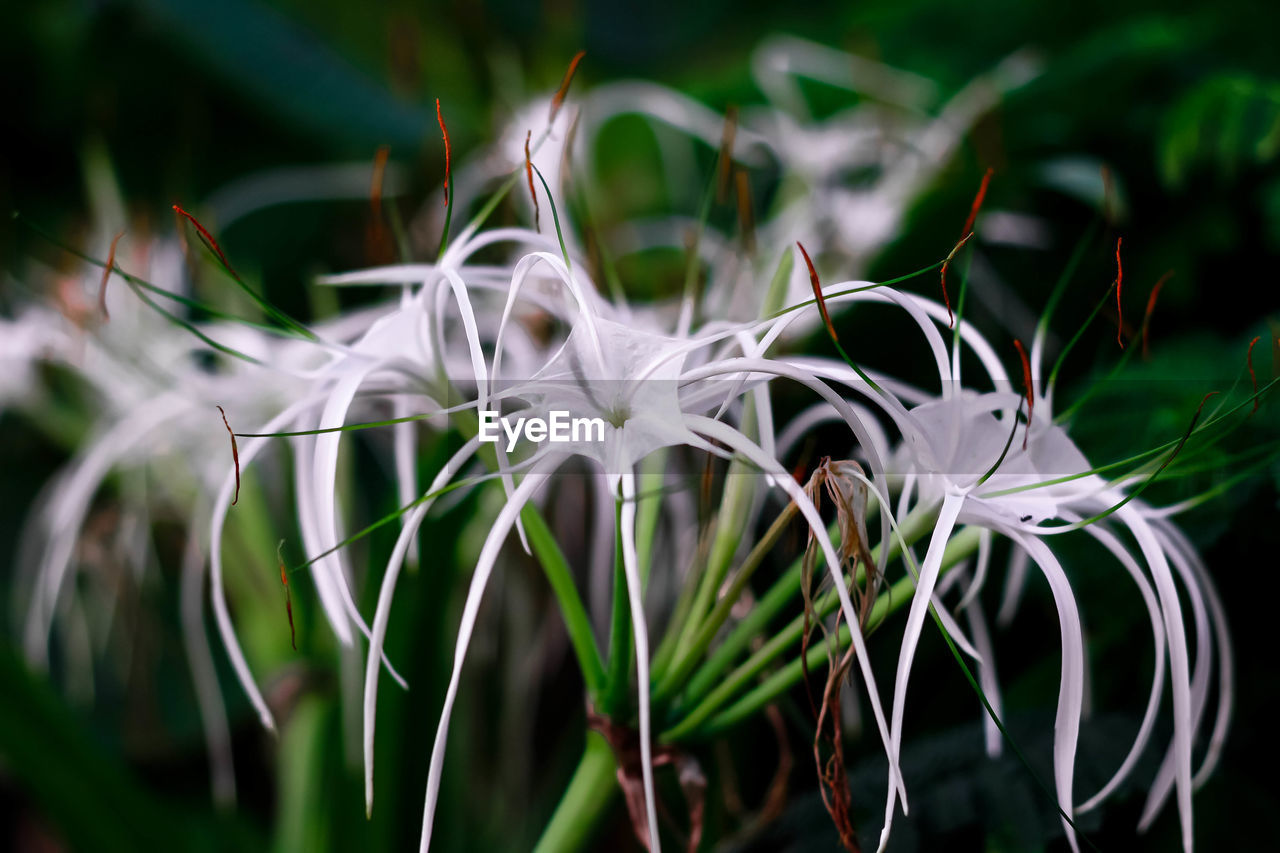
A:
{"points": [[185, 96]]}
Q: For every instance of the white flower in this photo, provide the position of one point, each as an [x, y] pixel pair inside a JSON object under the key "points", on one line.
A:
{"points": [[946, 462]]}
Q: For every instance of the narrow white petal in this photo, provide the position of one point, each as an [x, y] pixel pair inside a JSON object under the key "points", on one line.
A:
{"points": [[627, 519], [1014, 583], [484, 567], [248, 451], [405, 451], [1116, 547], [979, 573], [920, 601], [988, 678], [1066, 730], [1179, 676], [386, 594]]}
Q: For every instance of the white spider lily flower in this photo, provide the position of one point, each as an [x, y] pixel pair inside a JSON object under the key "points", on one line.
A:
{"points": [[896, 144], [947, 460], [403, 353], [635, 380], [853, 223], [152, 410], [153, 394], [638, 403]]}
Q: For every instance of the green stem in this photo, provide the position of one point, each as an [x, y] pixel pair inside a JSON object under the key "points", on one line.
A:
{"points": [[783, 592], [556, 568], [618, 680], [590, 792], [684, 604], [960, 546], [684, 664], [648, 511], [790, 675], [731, 520]]}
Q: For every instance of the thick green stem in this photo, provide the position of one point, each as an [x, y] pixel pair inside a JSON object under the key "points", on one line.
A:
{"points": [[740, 481], [621, 652], [648, 511], [684, 605], [730, 521], [585, 801], [576, 621]]}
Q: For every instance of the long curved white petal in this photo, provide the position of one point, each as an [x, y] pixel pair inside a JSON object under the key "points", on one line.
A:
{"points": [[382, 615], [631, 569], [502, 525]]}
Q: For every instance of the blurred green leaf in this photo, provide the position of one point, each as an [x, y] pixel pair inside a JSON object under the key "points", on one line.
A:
{"points": [[95, 802], [1226, 121]]}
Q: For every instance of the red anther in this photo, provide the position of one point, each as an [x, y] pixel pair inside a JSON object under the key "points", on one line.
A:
{"points": [[727, 135], [746, 217], [207, 238], [1027, 386], [977, 202], [946, 264], [379, 172], [444, 131], [106, 274], [528, 171], [817, 292], [288, 606], [558, 100], [235, 455]]}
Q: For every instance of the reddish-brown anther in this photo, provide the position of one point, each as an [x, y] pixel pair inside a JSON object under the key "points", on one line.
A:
{"points": [[1253, 377], [1151, 306], [235, 454], [378, 243], [1027, 387], [817, 291], [977, 202], [528, 172], [1119, 287], [207, 238], [946, 264], [746, 214], [444, 132], [106, 274], [558, 100]]}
